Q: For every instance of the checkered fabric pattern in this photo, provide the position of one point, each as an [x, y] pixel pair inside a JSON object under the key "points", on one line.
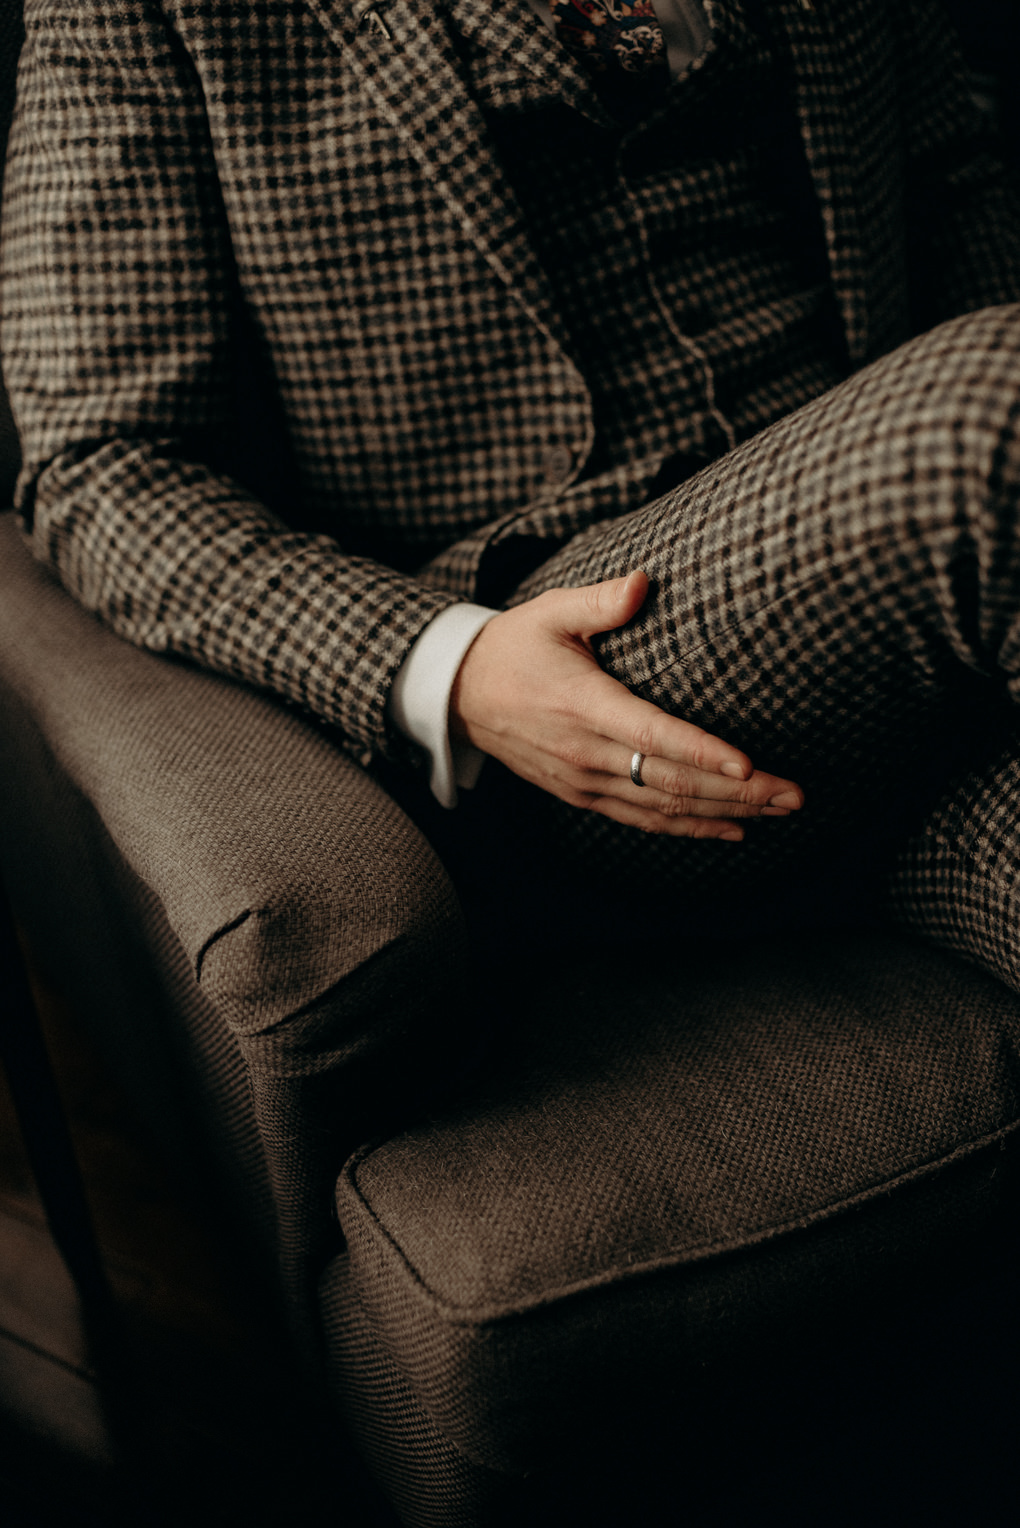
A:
{"points": [[179, 168], [955, 879], [733, 328], [841, 598], [686, 345]]}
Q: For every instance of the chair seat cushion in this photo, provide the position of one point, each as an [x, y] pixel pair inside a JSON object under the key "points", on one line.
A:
{"points": [[668, 1171]]}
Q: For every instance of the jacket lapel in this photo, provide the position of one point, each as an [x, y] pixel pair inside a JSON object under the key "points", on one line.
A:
{"points": [[818, 73], [403, 53]]}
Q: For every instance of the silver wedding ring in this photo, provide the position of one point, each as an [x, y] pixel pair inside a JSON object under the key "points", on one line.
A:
{"points": [[635, 768]]}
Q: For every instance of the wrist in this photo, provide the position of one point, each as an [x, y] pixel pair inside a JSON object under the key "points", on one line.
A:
{"points": [[420, 698]]}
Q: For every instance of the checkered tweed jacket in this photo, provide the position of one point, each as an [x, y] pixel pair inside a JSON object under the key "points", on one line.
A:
{"points": [[196, 181]]}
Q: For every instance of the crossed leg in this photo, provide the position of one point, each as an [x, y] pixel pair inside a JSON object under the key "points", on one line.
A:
{"points": [[840, 597], [956, 879]]}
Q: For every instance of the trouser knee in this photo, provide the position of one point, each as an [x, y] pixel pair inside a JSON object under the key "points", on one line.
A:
{"points": [[958, 416]]}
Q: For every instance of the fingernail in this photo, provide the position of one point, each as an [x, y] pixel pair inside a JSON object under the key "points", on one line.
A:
{"points": [[733, 835], [733, 771], [785, 798], [775, 811]]}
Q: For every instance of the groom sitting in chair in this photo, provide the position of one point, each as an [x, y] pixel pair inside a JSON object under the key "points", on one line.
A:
{"points": [[646, 394]]}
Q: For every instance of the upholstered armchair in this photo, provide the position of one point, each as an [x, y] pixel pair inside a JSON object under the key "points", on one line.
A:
{"points": [[531, 1232], [501, 1264]]}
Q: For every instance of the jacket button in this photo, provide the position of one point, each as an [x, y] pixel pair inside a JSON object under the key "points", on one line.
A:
{"points": [[557, 462]]}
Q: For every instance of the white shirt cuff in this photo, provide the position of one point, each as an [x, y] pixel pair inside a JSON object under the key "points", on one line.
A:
{"points": [[419, 703]]}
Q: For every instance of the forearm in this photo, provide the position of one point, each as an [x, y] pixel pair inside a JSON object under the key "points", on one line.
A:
{"points": [[178, 560], [419, 703]]}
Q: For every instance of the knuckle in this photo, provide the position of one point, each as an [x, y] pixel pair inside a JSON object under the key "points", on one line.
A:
{"points": [[565, 717], [677, 782], [593, 598], [676, 806], [643, 737], [734, 807], [575, 755], [699, 750], [754, 792]]}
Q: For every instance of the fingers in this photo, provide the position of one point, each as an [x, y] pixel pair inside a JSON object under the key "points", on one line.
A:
{"points": [[675, 799], [601, 607], [643, 728], [612, 710], [635, 816], [690, 804], [604, 706], [686, 815], [531, 693], [759, 793]]}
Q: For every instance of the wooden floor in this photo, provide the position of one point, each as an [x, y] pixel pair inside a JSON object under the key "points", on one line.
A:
{"points": [[191, 1437]]}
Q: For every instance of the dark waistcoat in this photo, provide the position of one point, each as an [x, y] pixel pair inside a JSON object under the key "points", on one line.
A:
{"points": [[684, 248]]}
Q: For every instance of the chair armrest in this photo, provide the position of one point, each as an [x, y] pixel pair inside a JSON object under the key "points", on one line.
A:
{"points": [[301, 936], [282, 867]]}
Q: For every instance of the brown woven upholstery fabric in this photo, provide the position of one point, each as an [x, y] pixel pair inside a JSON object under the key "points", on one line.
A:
{"points": [[297, 924], [431, 1483], [101, 935], [677, 1171]]}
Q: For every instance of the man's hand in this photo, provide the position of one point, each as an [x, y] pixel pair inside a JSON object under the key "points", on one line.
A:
{"points": [[530, 693]]}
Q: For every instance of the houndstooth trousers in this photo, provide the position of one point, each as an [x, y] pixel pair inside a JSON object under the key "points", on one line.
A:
{"points": [[840, 597]]}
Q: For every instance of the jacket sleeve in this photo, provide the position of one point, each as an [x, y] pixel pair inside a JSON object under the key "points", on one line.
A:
{"points": [[120, 315], [963, 204]]}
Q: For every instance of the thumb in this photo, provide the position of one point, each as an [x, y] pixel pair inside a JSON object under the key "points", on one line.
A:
{"points": [[603, 607]]}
